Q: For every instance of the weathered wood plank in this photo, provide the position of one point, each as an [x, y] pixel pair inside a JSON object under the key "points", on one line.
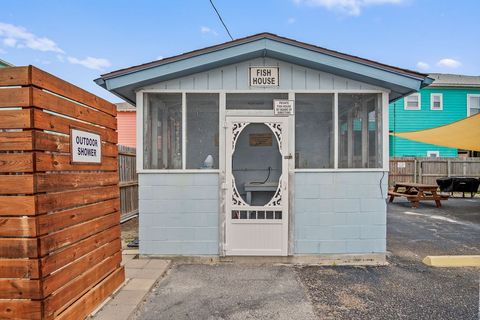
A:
{"points": [[55, 162], [54, 241], [19, 268], [81, 308], [18, 248], [58, 279], [20, 289], [15, 97], [17, 205], [14, 76], [61, 219], [58, 259], [16, 162], [13, 184], [16, 119], [51, 83], [13, 141], [64, 297], [20, 309], [18, 227], [57, 143], [55, 182], [47, 121], [62, 200], [48, 101]]}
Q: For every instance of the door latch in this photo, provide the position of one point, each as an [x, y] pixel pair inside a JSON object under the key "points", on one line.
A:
{"points": [[288, 157]]}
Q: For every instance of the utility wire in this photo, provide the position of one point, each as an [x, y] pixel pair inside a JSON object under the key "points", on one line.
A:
{"points": [[221, 20]]}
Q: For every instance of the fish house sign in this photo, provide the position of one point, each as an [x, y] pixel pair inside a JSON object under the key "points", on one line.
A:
{"points": [[86, 147], [264, 77]]}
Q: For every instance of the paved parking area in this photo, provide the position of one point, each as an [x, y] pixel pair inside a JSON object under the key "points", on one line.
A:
{"points": [[406, 289]]}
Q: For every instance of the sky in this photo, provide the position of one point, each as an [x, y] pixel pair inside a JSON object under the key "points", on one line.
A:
{"points": [[80, 40]]}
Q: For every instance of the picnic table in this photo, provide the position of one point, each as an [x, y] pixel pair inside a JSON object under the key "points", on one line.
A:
{"points": [[416, 192]]}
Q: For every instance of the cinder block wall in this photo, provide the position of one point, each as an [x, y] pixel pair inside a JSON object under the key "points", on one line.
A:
{"points": [[178, 213], [342, 212]]}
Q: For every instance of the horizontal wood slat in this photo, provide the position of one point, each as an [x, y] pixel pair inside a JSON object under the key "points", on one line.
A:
{"points": [[20, 289], [54, 182], [62, 200], [58, 259], [65, 296], [15, 97], [68, 236], [58, 279], [54, 162], [18, 227], [48, 101], [12, 141], [16, 162], [20, 309], [15, 76], [61, 219], [19, 268], [17, 205], [13, 184], [46, 121], [89, 301], [18, 248], [16, 119]]}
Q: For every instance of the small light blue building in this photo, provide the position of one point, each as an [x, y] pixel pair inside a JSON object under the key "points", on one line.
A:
{"points": [[263, 146], [449, 98]]}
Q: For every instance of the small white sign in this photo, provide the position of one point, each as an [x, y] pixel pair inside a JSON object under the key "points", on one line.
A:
{"points": [[400, 165], [283, 107], [86, 147], [264, 77]]}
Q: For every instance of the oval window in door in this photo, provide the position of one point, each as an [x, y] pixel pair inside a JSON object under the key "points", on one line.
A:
{"points": [[256, 164]]}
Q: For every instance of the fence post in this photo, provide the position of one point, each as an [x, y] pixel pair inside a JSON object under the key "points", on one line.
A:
{"points": [[449, 169], [420, 177], [415, 171]]}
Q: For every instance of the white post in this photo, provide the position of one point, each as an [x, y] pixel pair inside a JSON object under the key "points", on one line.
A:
{"points": [[335, 130]]}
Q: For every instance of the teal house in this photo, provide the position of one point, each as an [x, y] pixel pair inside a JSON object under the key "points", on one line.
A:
{"points": [[449, 98]]}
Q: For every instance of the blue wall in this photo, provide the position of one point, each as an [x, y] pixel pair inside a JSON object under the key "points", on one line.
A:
{"points": [[400, 120]]}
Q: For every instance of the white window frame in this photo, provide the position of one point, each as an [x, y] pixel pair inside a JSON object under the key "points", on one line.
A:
{"points": [[416, 94], [436, 153], [431, 101], [468, 102], [223, 112]]}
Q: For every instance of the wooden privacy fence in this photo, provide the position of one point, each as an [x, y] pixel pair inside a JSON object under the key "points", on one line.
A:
{"points": [[60, 249], [128, 182], [427, 170]]}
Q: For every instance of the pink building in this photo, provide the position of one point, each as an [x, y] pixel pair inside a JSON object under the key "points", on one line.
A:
{"points": [[126, 124]]}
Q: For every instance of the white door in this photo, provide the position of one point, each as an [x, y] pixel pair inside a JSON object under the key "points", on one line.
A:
{"points": [[256, 198]]}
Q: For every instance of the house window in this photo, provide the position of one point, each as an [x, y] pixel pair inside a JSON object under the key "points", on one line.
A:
{"points": [[436, 101], [473, 104], [162, 131], [359, 131], [314, 127], [412, 102], [433, 154]]}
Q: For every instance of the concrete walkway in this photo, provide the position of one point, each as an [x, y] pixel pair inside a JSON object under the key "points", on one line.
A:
{"points": [[228, 291], [141, 275]]}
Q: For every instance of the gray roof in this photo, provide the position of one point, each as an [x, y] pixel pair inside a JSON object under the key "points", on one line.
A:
{"points": [[4, 63], [124, 106], [454, 80]]}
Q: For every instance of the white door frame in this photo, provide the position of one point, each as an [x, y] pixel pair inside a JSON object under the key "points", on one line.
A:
{"points": [[271, 235]]}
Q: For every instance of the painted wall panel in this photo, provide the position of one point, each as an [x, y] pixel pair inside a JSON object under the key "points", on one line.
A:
{"points": [[178, 213], [126, 128], [235, 77], [343, 212]]}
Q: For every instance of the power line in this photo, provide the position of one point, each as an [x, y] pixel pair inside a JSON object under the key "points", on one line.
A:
{"points": [[221, 20]]}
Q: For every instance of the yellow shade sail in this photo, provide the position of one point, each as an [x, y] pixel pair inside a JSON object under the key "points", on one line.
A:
{"points": [[462, 134]]}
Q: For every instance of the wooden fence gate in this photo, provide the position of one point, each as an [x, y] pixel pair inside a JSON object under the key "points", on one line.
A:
{"points": [[60, 249], [128, 182]]}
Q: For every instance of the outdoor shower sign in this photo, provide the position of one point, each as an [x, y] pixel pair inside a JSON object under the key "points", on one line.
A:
{"points": [[283, 107], [86, 147], [264, 77]]}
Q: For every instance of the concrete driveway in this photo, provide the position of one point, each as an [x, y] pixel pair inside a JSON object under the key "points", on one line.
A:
{"points": [[406, 289]]}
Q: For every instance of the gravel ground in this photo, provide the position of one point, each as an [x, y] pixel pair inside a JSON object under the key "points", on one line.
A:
{"points": [[129, 232]]}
